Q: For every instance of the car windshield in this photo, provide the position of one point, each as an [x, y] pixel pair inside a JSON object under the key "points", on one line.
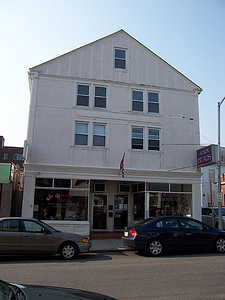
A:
{"points": [[10, 292], [223, 211]]}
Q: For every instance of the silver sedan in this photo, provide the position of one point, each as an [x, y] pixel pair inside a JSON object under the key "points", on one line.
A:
{"points": [[30, 236]]}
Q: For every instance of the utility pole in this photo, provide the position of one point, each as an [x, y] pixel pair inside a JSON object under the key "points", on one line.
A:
{"points": [[219, 194]]}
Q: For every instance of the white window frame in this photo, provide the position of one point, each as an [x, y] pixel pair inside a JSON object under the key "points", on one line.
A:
{"points": [[83, 95], [120, 59], [154, 139], [80, 133], [153, 102], [99, 134], [100, 97], [133, 137], [136, 100]]}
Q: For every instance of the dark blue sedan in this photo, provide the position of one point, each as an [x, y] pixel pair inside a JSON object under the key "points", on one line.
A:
{"points": [[157, 235]]}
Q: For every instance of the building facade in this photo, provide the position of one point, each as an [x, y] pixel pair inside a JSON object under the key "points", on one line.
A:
{"points": [[112, 138]]}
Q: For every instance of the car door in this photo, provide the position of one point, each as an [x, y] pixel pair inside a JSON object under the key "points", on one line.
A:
{"points": [[9, 236], [195, 234], [169, 230], [35, 238]]}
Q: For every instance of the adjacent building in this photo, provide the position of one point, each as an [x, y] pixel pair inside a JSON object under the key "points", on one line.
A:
{"points": [[112, 138], [11, 179]]}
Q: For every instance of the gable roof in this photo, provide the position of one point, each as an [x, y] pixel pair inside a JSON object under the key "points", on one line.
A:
{"points": [[41, 67]]}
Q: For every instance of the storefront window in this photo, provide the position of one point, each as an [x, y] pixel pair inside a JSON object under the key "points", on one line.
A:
{"points": [[59, 204], [175, 204]]}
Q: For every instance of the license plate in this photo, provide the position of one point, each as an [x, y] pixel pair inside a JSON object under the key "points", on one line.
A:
{"points": [[126, 234]]}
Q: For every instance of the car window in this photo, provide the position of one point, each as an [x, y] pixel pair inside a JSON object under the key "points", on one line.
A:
{"points": [[167, 223], [31, 226], [206, 211], [191, 224], [9, 225]]}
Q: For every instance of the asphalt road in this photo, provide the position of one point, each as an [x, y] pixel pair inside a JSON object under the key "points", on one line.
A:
{"points": [[126, 275]]}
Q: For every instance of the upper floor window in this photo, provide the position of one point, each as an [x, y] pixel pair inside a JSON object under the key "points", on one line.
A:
{"points": [[17, 156], [99, 135], [4, 156], [137, 100], [120, 59], [137, 138], [153, 139], [153, 102], [81, 136], [82, 95], [100, 97]]}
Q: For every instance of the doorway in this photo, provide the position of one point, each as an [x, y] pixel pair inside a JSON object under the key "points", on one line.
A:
{"points": [[100, 212], [120, 211]]}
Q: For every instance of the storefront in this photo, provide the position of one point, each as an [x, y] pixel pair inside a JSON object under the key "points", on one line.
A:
{"points": [[83, 206]]}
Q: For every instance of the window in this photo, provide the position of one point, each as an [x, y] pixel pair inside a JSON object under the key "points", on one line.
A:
{"points": [[137, 138], [168, 223], [191, 224], [9, 225], [81, 135], [100, 97], [137, 100], [99, 135], [82, 95], [120, 59], [17, 156], [4, 156], [153, 102], [30, 226], [153, 139]]}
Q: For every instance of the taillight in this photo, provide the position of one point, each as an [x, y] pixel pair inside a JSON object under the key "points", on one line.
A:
{"points": [[133, 232]]}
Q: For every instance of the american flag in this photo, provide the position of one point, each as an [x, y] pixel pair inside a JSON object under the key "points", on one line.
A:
{"points": [[122, 166]]}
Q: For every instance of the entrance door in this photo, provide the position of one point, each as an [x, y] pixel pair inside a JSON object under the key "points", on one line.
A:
{"points": [[99, 211], [120, 211]]}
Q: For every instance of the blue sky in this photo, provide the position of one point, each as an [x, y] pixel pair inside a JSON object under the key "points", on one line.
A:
{"points": [[188, 34]]}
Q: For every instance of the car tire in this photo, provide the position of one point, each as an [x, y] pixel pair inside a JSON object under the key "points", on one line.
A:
{"points": [[220, 245], [68, 251], [155, 248]]}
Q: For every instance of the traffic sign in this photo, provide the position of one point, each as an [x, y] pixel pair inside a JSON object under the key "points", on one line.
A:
{"points": [[219, 197]]}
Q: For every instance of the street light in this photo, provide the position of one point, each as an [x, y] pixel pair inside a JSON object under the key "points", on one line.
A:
{"points": [[219, 195]]}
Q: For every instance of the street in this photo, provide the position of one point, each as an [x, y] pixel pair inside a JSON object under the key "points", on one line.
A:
{"points": [[125, 275]]}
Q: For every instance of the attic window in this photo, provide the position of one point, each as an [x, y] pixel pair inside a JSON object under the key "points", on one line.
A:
{"points": [[120, 59]]}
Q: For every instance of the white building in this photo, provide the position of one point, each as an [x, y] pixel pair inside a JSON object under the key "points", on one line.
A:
{"points": [[90, 106]]}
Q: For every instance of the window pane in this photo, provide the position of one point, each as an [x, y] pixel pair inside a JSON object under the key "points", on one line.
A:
{"points": [[81, 140], [137, 95], [99, 141], [137, 132], [153, 107], [137, 106], [83, 89], [100, 91], [137, 144], [62, 183], [153, 134], [181, 187], [44, 182], [119, 53], [99, 129], [82, 128], [83, 95], [153, 97], [82, 100], [100, 102], [120, 64]]}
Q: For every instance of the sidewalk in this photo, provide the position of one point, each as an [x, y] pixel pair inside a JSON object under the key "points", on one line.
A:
{"points": [[107, 245]]}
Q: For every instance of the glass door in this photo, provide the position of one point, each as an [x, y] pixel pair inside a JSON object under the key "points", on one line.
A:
{"points": [[120, 211], [99, 211]]}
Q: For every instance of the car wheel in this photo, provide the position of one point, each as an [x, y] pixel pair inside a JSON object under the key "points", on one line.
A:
{"points": [[155, 248], [220, 245], [68, 251]]}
